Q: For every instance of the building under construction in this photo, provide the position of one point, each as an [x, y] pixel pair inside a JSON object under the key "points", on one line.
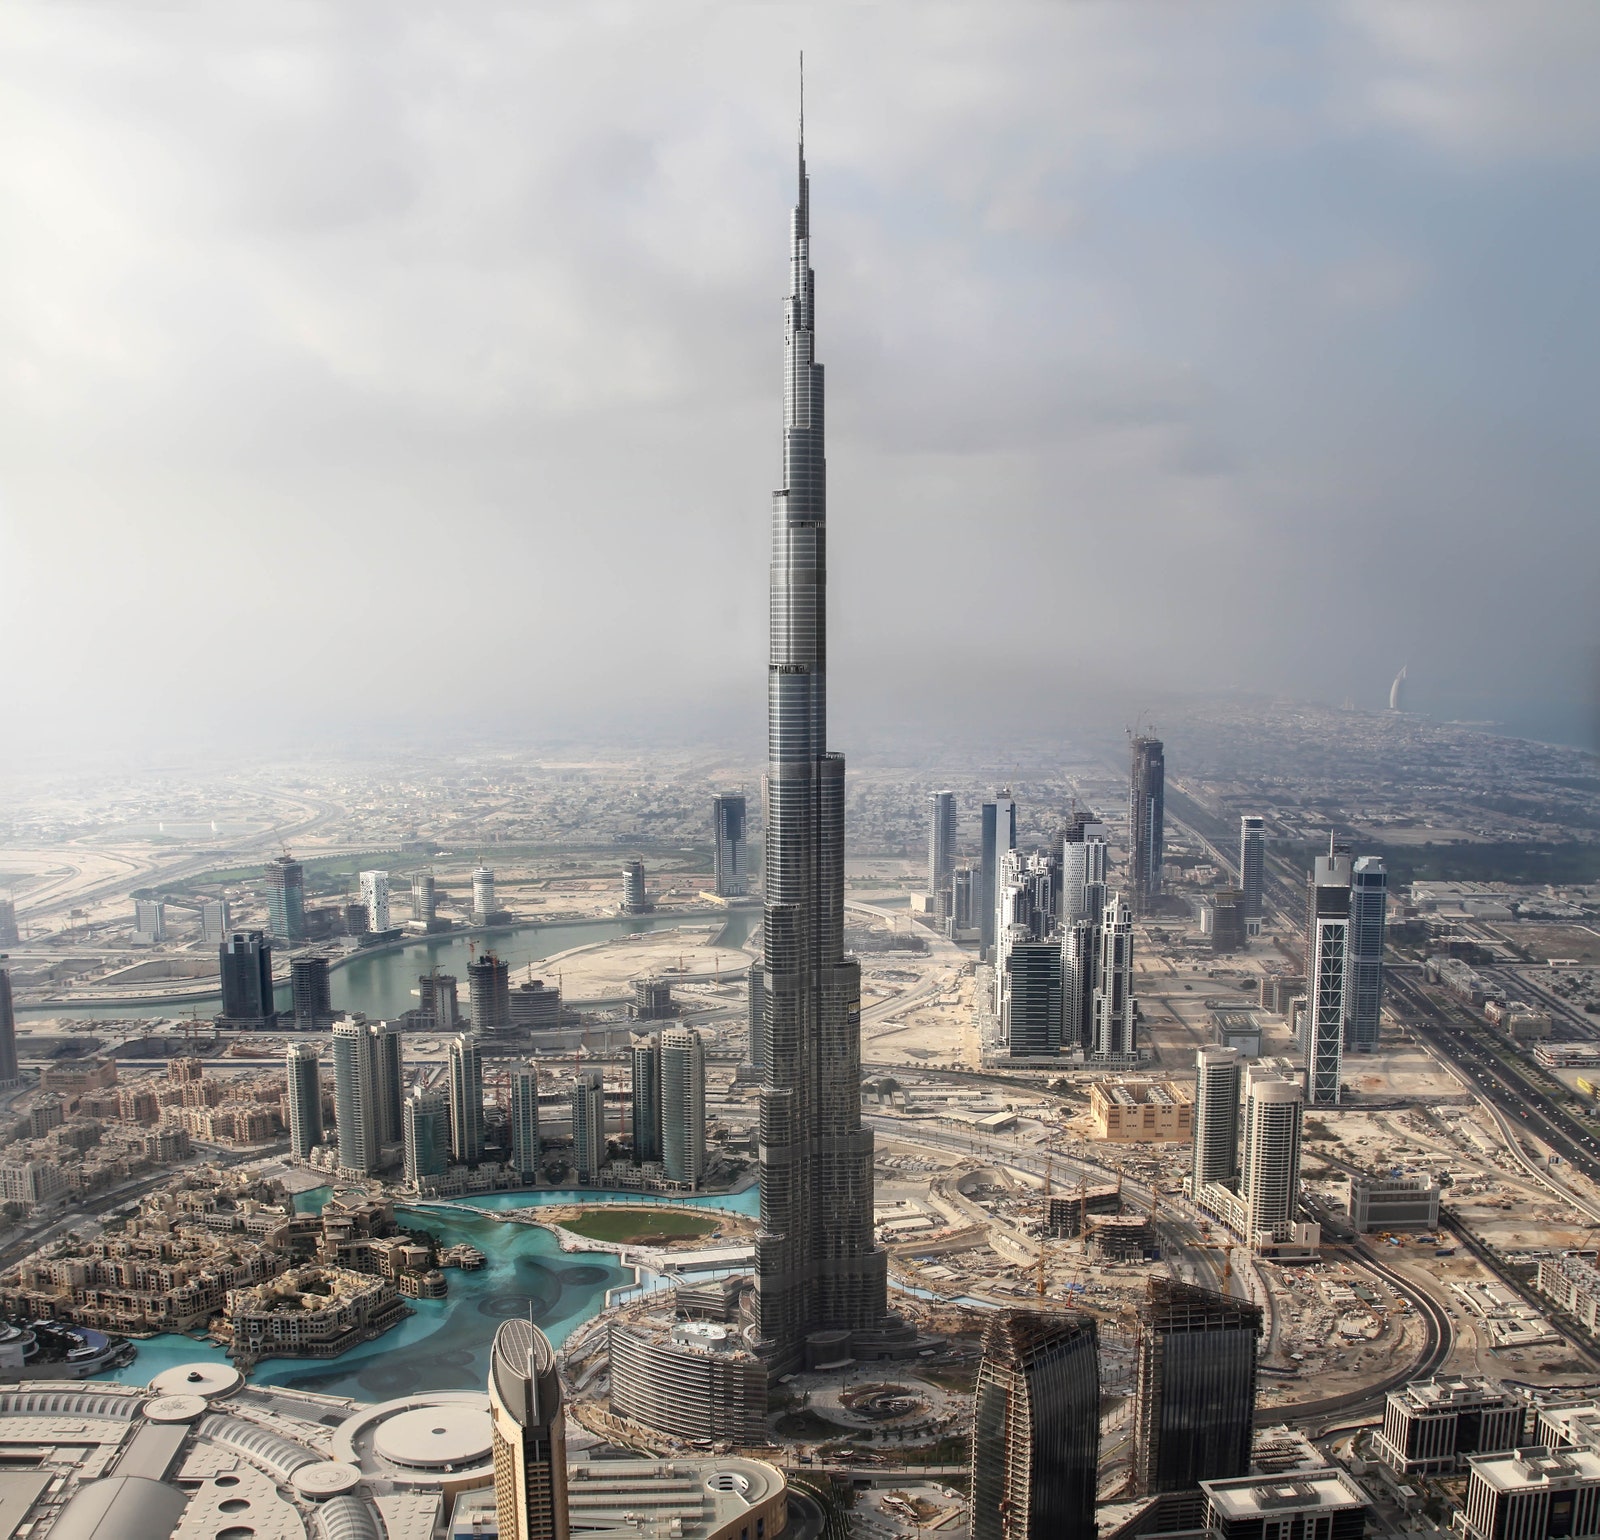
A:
{"points": [[1194, 1409], [1064, 1211], [1036, 1428], [1125, 1237]]}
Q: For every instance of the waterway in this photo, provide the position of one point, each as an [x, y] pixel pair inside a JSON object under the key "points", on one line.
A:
{"points": [[383, 983], [445, 1345]]}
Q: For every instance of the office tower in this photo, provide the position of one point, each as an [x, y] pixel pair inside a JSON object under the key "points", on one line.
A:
{"points": [[646, 1057], [1115, 1018], [941, 849], [683, 1105], [966, 893], [1327, 977], [1252, 859], [441, 1009], [816, 1268], [1036, 1428], [466, 1100], [357, 920], [530, 1449], [482, 895], [150, 920], [634, 900], [426, 1134], [214, 919], [8, 924], [536, 1006], [246, 962], [303, 1073], [1080, 976], [1216, 1117], [286, 900], [489, 995], [1195, 1394], [525, 1121], [998, 826], [729, 878], [1227, 920], [355, 1097], [589, 1125], [1083, 869], [1032, 1016], [424, 898], [1146, 821], [1270, 1170], [10, 1074], [756, 1003], [389, 1079], [1369, 896], [375, 898], [310, 991]]}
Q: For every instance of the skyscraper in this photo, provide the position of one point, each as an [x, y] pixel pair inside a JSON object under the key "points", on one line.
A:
{"points": [[8, 924], [286, 900], [1080, 977], [589, 1125], [683, 1105], [755, 1004], [1036, 1428], [1252, 858], [729, 878], [1216, 1117], [9, 1072], [149, 921], [424, 898], [310, 991], [1146, 820], [246, 963], [489, 995], [303, 1074], [530, 1448], [1195, 1393], [965, 895], [1327, 977], [1114, 1015], [646, 1064], [1083, 869], [214, 920], [941, 849], [355, 1097], [998, 834], [440, 1003], [375, 896], [525, 1121], [389, 1079], [1369, 895], [466, 1100], [1269, 1177], [483, 900], [427, 1133], [634, 898], [816, 1267], [1032, 1014]]}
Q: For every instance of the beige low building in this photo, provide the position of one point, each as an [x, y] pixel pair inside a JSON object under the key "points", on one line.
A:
{"points": [[1142, 1111]]}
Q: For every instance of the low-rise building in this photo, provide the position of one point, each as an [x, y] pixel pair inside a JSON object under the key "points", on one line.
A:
{"points": [[1307, 1505], [1379, 1203], [1431, 1426], [1533, 1494], [1573, 1282], [311, 1312], [1142, 1111], [691, 1379]]}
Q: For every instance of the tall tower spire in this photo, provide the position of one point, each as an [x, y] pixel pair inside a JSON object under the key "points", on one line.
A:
{"points": [[816, 1269]]}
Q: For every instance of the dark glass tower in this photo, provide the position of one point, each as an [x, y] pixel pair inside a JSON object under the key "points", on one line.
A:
{"points": [[1036, 1428], [816, 1269], [1147, 804]]}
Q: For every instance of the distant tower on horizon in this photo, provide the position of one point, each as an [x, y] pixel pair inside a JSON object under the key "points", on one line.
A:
{"points": [[8, 924], [1327, 977], [1147, 800], [482, 895], [941, 850], [1369, 896], [1397, 691], [375, 896], [9, 1073], [998, 835], [424, 898], [634, 899], [728, 875], [303, 1076], [286, 900], [1252, 858], [530, 1441]]}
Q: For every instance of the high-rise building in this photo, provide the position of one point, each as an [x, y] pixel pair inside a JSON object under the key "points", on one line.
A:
{"points": [[755, 1003], [8, 924], [997, 834], [1195, 1392], [1369, 897], [966, 894], [375, 898], [1036, 1428], [1227, 920], [1147, 799], [303, 1073], [729, 878], [589, 1125], [683, 1105], [530, 1448], [489, 995], [941, 849], [440, 1007], [214, 920], [816, 1266], [1115, 1018], [310, 991], [10, 1074], [1252, 867], [466, 1100], [646, 1064], [389, 1079], [247, 999], [286, 900], [1083, 869], [1080, 977], [634, 898], [1216, 1117], [483, 899], [355, 1097], [424, 898], [426, 1133], [1327, 977], [1269, 1178], [1032, 1013], [150, 920], [525, 1121]]}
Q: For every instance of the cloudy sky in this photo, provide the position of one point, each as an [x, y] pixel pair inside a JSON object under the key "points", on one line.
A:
{"points": [[365, 365]]}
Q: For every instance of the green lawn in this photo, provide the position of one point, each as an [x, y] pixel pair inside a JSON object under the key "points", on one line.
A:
{"points": [[639, 1226]]}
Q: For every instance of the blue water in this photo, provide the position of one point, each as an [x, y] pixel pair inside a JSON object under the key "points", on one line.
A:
{"points": [[445, 1345]]}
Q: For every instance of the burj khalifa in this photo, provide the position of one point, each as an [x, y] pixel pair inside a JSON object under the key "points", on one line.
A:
{"points": [[818, 1277]]}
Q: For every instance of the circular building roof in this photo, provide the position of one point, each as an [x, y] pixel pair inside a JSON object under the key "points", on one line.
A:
{"points": [[327, 1478], [199, 1379], [433, 1437], [180, 1408]]}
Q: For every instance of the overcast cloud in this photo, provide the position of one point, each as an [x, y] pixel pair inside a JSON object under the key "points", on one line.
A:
{"points": [[411, 361]]}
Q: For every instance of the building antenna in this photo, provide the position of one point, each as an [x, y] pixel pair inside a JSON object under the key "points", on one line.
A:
{"points": [[802, 98]]}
